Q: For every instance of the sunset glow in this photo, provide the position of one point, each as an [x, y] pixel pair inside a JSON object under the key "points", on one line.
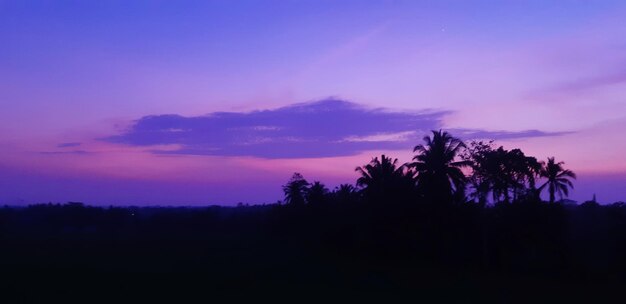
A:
{"points": [[158, 103]]}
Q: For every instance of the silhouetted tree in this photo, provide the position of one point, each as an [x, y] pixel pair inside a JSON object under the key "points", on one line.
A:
{"points": [[345, 193], [317, 193], [439, 174], [480, 180], [526, 171], [384, 179], [295, 190], [501, 172], [520, 170], [558, 179]]}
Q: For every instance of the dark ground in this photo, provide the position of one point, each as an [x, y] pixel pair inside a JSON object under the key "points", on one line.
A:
{"points": [[334, 252]]}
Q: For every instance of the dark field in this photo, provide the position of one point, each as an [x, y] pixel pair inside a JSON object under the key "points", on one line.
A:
{"points": [[510, 252]]}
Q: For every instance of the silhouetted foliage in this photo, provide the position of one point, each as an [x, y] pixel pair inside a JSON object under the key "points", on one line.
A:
{"points": [[346, 193], [505, 174], [317, 193], [558, 179], [439, 175], [385, 180], [295, 190]]}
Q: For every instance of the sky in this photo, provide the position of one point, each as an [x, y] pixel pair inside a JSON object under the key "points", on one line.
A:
{"points": [[219, 102]]}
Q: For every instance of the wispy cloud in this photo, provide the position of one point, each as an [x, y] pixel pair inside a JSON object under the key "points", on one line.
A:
{"points": [[583, 84], [483, 134], [324, 128], [76, 152], [68, 145]]}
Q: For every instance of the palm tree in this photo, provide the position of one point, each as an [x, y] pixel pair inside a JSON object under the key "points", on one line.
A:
{"points": [[384, 178], [558, 179], [345, 193], [439, 175], [317, 193], [295, 190]]}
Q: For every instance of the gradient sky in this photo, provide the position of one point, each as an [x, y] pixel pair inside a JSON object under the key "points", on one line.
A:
{"points": [[218, 102]]}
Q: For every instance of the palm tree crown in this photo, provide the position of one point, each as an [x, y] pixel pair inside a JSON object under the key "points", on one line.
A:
{"points": [[316, 193], [345, 193], [438, 172], [383, 177], [558, 179], [295, 190]]}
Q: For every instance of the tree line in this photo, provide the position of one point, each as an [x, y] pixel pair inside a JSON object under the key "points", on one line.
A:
{"points": [[445, 170]]}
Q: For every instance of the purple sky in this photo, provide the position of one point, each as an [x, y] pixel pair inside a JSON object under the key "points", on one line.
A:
{"points": [[217, 102]]}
